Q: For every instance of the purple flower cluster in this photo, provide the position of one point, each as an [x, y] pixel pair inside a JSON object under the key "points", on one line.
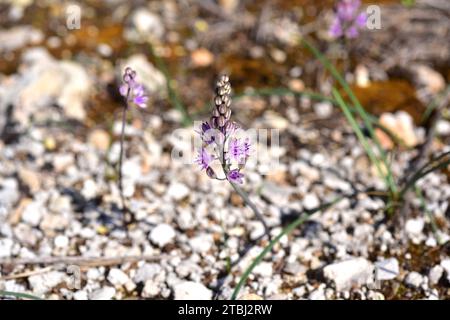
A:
{"points": [[133, 91], [219, 141], [348, 19]]}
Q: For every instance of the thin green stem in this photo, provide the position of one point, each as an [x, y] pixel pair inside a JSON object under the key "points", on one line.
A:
{"points": [[430, 216], [122, 137], [359, 109], [423, 172], [18, 295], [358, 132], [173, 96], [252, 206]]}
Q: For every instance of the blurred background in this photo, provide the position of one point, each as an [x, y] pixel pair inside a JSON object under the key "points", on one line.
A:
{"points": [[61, 65]]}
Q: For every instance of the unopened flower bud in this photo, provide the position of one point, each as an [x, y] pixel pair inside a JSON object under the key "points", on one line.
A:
{"points": [[210, 172]]}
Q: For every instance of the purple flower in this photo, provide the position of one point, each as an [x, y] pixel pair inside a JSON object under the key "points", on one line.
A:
{"points": [[139, 96], [348, 20], [209, 134], [235, 176], [132, 90], [238, 150], [204, 158]]}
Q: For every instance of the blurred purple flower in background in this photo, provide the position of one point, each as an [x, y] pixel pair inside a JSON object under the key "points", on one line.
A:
{"points": [[134, 94], [133, 91], [348, 19]]}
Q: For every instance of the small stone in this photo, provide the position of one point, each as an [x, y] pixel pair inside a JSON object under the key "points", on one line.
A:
{"points": [[19, 36], [151, 289], [44, 283], [443, 128], [402, 125], [6, 246], [202, 243], [9, 192], [274, 120], [296, 85], [30, 179], [349, 273], [435, 274], [63, 161], [257, 230], [264, 269], [387, 269], [299, 291], [61, 241], [185, 220], [147, 272], [53, 222], [310, 201], [318, 294], [178, 191], [275, 194], [202, 58], [250, 296], [33, 214], [414, 279], [323, 110], [229, 6], [49, 143], [105, 293], [117, 277], [431, 242], [80, 295], [278, 55], [188, 290], [147, 24], [162, 234], [414, 227], [60, 204], [99, 139], [432, 80], [90, 189], [446, 265], [362, 76], [16, 215], [375, 295]]}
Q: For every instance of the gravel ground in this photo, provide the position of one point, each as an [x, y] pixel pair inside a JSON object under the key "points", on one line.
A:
{"points": [[59, 198]]}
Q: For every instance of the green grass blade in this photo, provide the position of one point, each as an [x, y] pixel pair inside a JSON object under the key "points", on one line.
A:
{"points": [[173, 96], [291, 227], [18, 295], [359, 134], [283, 92], [434, 104], [430, 215], [433, 166], [358, 107]]}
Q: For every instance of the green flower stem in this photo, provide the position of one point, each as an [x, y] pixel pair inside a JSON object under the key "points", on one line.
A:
{"points": [[18, 295], [252, 206], [122, 137]]}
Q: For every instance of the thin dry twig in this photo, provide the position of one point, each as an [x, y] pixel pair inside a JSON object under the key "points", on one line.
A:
{"points": [[79, 260], [26, 274]]}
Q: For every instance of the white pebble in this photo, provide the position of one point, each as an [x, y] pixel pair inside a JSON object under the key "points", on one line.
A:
{"points": [[162, 234]]}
